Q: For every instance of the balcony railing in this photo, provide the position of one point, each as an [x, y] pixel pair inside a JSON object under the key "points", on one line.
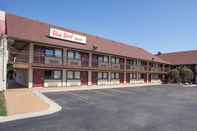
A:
{"points": [[136, 68], [154, 69], [18, 57], [100, 65], [40, 58]]}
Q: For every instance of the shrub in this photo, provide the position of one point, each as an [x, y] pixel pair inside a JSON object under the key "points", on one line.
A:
{"points": [[186, 75], [174, 76]]}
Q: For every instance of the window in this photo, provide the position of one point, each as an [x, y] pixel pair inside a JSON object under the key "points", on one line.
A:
{"points": [[100, 75], [134, 76], [58, 53], [114, 76], [52, 75], [77, 75], [73, 75], [103, 76], [117, 75], [103, 59], [70, 55], [48, 52], [77, 55], [115, 60], [74, 55], [100, 59], [57, 75], [53, 52]]}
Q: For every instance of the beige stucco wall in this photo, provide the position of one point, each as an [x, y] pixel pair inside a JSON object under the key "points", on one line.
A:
{"points": [[73, 82], [140, 81], [103, 82], [114, 82], [52, 83], [156, 81]]}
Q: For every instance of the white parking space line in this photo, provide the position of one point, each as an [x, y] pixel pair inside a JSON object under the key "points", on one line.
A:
{"points": [[102, 93], [81, 98], [121, 91]]}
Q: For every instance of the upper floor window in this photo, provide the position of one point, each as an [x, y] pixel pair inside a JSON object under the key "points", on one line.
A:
{"points": [[103, 59], [74, 55], [53, 52], [133, 62], [115, 60]]}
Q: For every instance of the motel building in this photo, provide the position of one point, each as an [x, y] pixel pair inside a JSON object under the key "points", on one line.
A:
{"points": [[36, 54]]}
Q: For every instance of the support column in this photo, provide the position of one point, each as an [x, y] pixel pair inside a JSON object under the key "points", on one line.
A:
{"points": [[30, 77], [147, 70], [89, 77], [64, 56], [3, 62], [30, 70], [125, 70], [90, 59], [163, 75], [64, 78], [109, 77], [31, 53]]}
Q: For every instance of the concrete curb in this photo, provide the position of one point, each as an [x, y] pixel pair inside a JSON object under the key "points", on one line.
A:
{"points": [[94, 88], [53, 107]]}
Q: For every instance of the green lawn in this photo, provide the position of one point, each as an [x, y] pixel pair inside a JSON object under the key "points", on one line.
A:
{"points": [[2, 105]]}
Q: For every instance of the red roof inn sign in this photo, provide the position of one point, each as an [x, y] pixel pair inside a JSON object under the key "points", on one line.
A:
{"points": [[64, 35]]}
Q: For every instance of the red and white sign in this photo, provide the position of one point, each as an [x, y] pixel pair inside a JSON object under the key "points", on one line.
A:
{"points": [[2, 22], [64, 35]]}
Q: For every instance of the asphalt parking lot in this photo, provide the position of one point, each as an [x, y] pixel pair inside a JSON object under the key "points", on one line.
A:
{"points": [[155, 108]]}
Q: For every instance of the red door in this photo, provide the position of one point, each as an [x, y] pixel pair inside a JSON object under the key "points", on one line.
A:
{"points": [[128, 77], [94, 78], [145, 78], [38, 78], [149, 78], [84, 77], [121, 77]]}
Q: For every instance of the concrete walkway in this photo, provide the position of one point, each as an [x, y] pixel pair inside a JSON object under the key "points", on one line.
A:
{"points": [[20, 101], [92, 87]]}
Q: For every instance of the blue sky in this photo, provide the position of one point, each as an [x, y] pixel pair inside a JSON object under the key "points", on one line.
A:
{"points": [[155, 25]]}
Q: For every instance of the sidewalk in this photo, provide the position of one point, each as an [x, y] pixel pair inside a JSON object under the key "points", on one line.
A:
{"points": [[92, 87], [20, 101]]}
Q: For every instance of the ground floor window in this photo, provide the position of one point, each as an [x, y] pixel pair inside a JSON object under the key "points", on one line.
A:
{"points": [[103, 76], [114, 76], [136, 76], [52, 75], [73, 75]]}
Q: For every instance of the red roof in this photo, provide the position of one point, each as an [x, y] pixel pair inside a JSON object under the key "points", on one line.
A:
{"points": [[180, 58], [31, 30]]}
